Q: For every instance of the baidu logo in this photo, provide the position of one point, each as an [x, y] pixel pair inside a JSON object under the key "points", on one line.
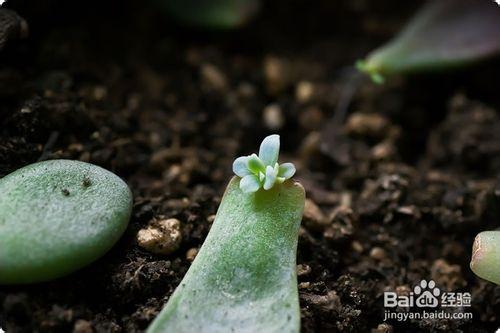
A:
{"points": [[426, 301]]}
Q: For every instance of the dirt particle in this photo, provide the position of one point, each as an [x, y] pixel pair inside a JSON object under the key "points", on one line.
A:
{"points": [[340, 224], [303, 269], [191, 254], [161, 236], [82, 326], [378, 253], [273, 117], [367, 124], [383, 328], [446, 275], [304, 285], [211, 218], [276, 71], [313, 216], [357, 246], [304, 91], [327, 303], [213, 78], [65, 192]]}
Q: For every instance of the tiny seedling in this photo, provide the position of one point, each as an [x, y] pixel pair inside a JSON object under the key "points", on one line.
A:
{"points": [[58, 216], [244, 276], [485, 261], [443, 34]]}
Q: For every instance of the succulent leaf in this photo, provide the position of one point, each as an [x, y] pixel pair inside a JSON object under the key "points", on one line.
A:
{"points": [[270, 149], [244, 276], [250, 183], [215, 14], [485, 261], [444, 33], [240, 166]]}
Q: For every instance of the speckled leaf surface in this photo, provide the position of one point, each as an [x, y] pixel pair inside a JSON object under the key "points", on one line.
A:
{"points": [[244, 276], [58, 216], [485, 261], [444, 33]]}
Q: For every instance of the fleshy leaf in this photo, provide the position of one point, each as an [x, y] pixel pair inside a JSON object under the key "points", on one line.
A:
{"points": [[444, 33], [255, 165], [271, 174], [244, 277], [485, 261], [58, 216], [250, 184], [240, 166], [270, 149], [217, 14], [286, 170]]}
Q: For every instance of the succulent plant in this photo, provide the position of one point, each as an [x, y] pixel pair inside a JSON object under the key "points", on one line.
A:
{"points": [[263, 171], [244, 276]]}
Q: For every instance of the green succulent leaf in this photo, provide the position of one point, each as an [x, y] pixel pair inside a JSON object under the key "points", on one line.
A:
{"points": [[286, 170], [443, 34], [58, 216], [485, 261], [255, 165], [244, 276], [214, 14], [240, 166], [270, 149], [250, 183], [271, 174]]}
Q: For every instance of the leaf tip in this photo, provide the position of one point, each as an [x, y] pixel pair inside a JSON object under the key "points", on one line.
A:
{"points": [[365, 66]]}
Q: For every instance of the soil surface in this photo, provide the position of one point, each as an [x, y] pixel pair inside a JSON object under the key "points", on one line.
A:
{"points": [[399, 182]]}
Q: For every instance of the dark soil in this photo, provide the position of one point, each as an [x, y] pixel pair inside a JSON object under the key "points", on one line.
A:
{"points": [[404, 181]]}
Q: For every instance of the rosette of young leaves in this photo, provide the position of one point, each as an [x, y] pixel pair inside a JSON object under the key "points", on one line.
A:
{"points": [[263, 171], [485, 261], [443, 34], [244, 276]]}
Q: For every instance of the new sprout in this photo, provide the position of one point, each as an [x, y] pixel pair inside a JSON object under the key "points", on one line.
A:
{"points": [[263, 170]]}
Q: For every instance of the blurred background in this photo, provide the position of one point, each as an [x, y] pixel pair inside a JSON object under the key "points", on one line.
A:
{"points": [[400, 177]]}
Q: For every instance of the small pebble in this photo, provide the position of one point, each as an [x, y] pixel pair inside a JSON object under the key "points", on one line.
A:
{"points": [[377, 253], [383, 328], [357, 246], [367, 124], [304, 91], [211, 218], [276, 72], [161, 236], [303, 269], [304, 285], [82, 326], [329, 302], [213, 77], [191, 254], [273, 117]]}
